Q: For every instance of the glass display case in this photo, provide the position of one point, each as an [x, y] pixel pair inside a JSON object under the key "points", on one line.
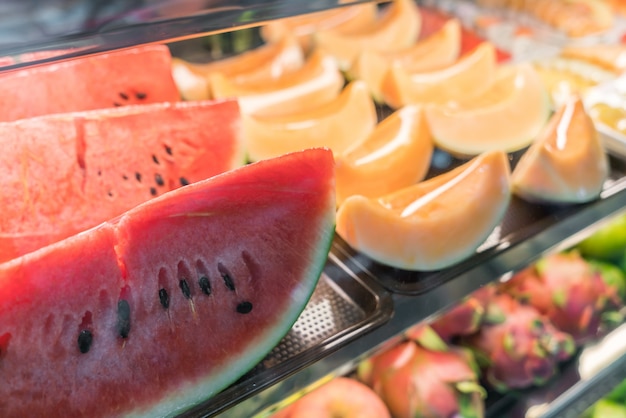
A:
{"points": [[360, 304]]}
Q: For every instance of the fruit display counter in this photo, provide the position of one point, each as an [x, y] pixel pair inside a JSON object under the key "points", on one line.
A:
{"points": [[474, 143]]}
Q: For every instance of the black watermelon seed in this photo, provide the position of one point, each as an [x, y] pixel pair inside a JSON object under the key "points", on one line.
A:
{"points": [[183, 181], [168, 149], [116, 104], [228, 281], [123, 95], [244, 307], [85, 338], [205, 285], [155, 159], [159, 180], [140, 95], [138, 176], [124, 176], [4, 343], [153, 191], [123, 318], [184, 287], [110, 193], [164, 298]]}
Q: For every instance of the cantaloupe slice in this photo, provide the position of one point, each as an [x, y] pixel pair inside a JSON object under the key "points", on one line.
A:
{"points": [[317, 82], [345, 19], [611, 57], [470, 76], [435, 223], [507, 117], [567, 163], [439, 50], [397, 28], [397, 154], [339, 125], [267, 62]]}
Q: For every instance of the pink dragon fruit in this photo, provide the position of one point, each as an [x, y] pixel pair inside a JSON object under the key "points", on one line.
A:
{"points": [[464, 318], [517, 346], [569, 291], [426, 379]]}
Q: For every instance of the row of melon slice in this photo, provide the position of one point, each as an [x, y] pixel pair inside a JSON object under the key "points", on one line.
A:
{"points": [[362, 41], [341, 32], [507, 116], [438, 222], [471, 105], [381, 48]]}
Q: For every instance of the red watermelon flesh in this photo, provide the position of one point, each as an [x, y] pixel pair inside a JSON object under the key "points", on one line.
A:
{"points": [[137, 75], [66, 173], [171, 302]]}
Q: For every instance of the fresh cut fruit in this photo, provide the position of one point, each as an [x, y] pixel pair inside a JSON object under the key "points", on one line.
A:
{"points": [[440, 49], [119, 78], [317, 82], [566, 163], [344, 19], [435, 223], [67, 173], [340, 397], [161, 308], [267, 62], [340, 125], [469, 77], [397, 28], [507, 116], [609, 56], [395, 155]]}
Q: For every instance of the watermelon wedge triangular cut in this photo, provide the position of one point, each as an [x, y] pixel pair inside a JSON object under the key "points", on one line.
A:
{"points": [[137, 75], [171, 302], [66, 173]]}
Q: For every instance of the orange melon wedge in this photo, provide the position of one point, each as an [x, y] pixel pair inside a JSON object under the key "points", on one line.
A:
{"points": [[317, 82], [439, 50], [432, 224], [267, 62], [567, 163], [395, 155], [611, 57], [397, 28], [507, 117], [345, 19], [470, 76], [339, 125]]}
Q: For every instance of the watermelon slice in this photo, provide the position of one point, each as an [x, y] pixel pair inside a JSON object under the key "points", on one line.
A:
{"points": [[137, 75], [67, 173], [170, 303]]}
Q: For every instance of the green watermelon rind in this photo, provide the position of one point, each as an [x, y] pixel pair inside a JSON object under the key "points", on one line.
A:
{"points": [[202, 391]]}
